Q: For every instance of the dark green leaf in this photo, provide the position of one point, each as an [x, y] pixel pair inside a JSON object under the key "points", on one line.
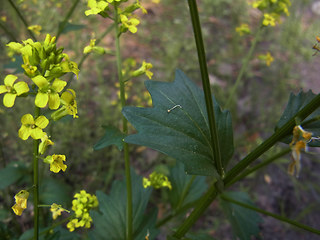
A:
{"points": [[111, 219], [68, 27], [55, 191], [183, 133], [112, 136], [244, 222], [11, 174], [311, 123], [185, 188]]}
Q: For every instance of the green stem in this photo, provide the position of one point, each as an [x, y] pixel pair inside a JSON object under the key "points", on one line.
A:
{"points": [[36, 181], [286, 129], [202, 205], [281, 218], [206, 85], [125, 130], [9, 33], [25, 23], [206, 200], [258, 166], [243, 68], [65, 20]]}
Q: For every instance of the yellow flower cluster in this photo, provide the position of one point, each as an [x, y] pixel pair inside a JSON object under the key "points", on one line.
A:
{"points": [[57, 210], [21, 202], [272, 10], [299, 142], [128, 21], [81, 205], [156, 180]]}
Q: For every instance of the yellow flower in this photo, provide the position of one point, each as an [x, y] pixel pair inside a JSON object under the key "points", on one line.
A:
{"points": [[243, 29], [144, 11], [35, 29], [21, 202], [267, 58], [45, 142], [157, 180], [32, 127], [56, 162], [96, 7], [144, 69], [156, 1], [68, 100], [70, 66], [12, 90], [57, 210], [130, 24], [93, 48], [47, 92], [299, 142]]}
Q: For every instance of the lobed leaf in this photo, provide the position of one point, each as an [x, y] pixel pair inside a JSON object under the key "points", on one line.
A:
{"points": [[112, 136], [182, 132]]}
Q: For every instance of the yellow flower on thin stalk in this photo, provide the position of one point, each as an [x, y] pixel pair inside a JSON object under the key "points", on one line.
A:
{"points": [[243, 29], [267, 58], [45, 142], [32, 127], [12, 90], [96, 7], [21, 202], [69, 105], [56, 162], [35, 29], [48, 93], [130, 24], [144, 69], [156, 180], [57, 210]]}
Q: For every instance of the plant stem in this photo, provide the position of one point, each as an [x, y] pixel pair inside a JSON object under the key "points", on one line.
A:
{"points": [[206, 85], [258, 166], [273, 139], [65, 20], [25, 23], [281, 218], [202, 205], [10, 34], [206, 200], [36, 181], [125, 130], [244, 67]]}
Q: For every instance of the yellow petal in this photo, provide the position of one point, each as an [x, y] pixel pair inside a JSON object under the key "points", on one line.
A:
{"points": [[54, 101], [58, 85], [8, 99], [21, 88], [41, 99], [17, 209], [3, 89], [37, 133], [40, 81], [27, 119], [9, 80], [41, 122]]}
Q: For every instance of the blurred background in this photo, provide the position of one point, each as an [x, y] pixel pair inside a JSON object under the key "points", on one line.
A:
{"points": [[165, 39]]}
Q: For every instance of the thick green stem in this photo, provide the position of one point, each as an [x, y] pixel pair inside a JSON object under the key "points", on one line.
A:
{"points": [[36, 181], [206, 200], [258, 166], [243, 68], [206, 85], [281, 218], [129, 235], [65, 20], [25, 23]]}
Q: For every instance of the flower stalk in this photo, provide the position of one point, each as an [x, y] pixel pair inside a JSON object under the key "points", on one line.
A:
{"points": [[36, 181], [129, 226]]}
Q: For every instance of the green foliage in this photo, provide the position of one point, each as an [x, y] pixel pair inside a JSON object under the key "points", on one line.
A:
{"points": [[54, 191], [185, 188], [58, 233], [310, 124], [182, 133], [11, 174], [111, 219], [112, 136], [244, 222]]}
